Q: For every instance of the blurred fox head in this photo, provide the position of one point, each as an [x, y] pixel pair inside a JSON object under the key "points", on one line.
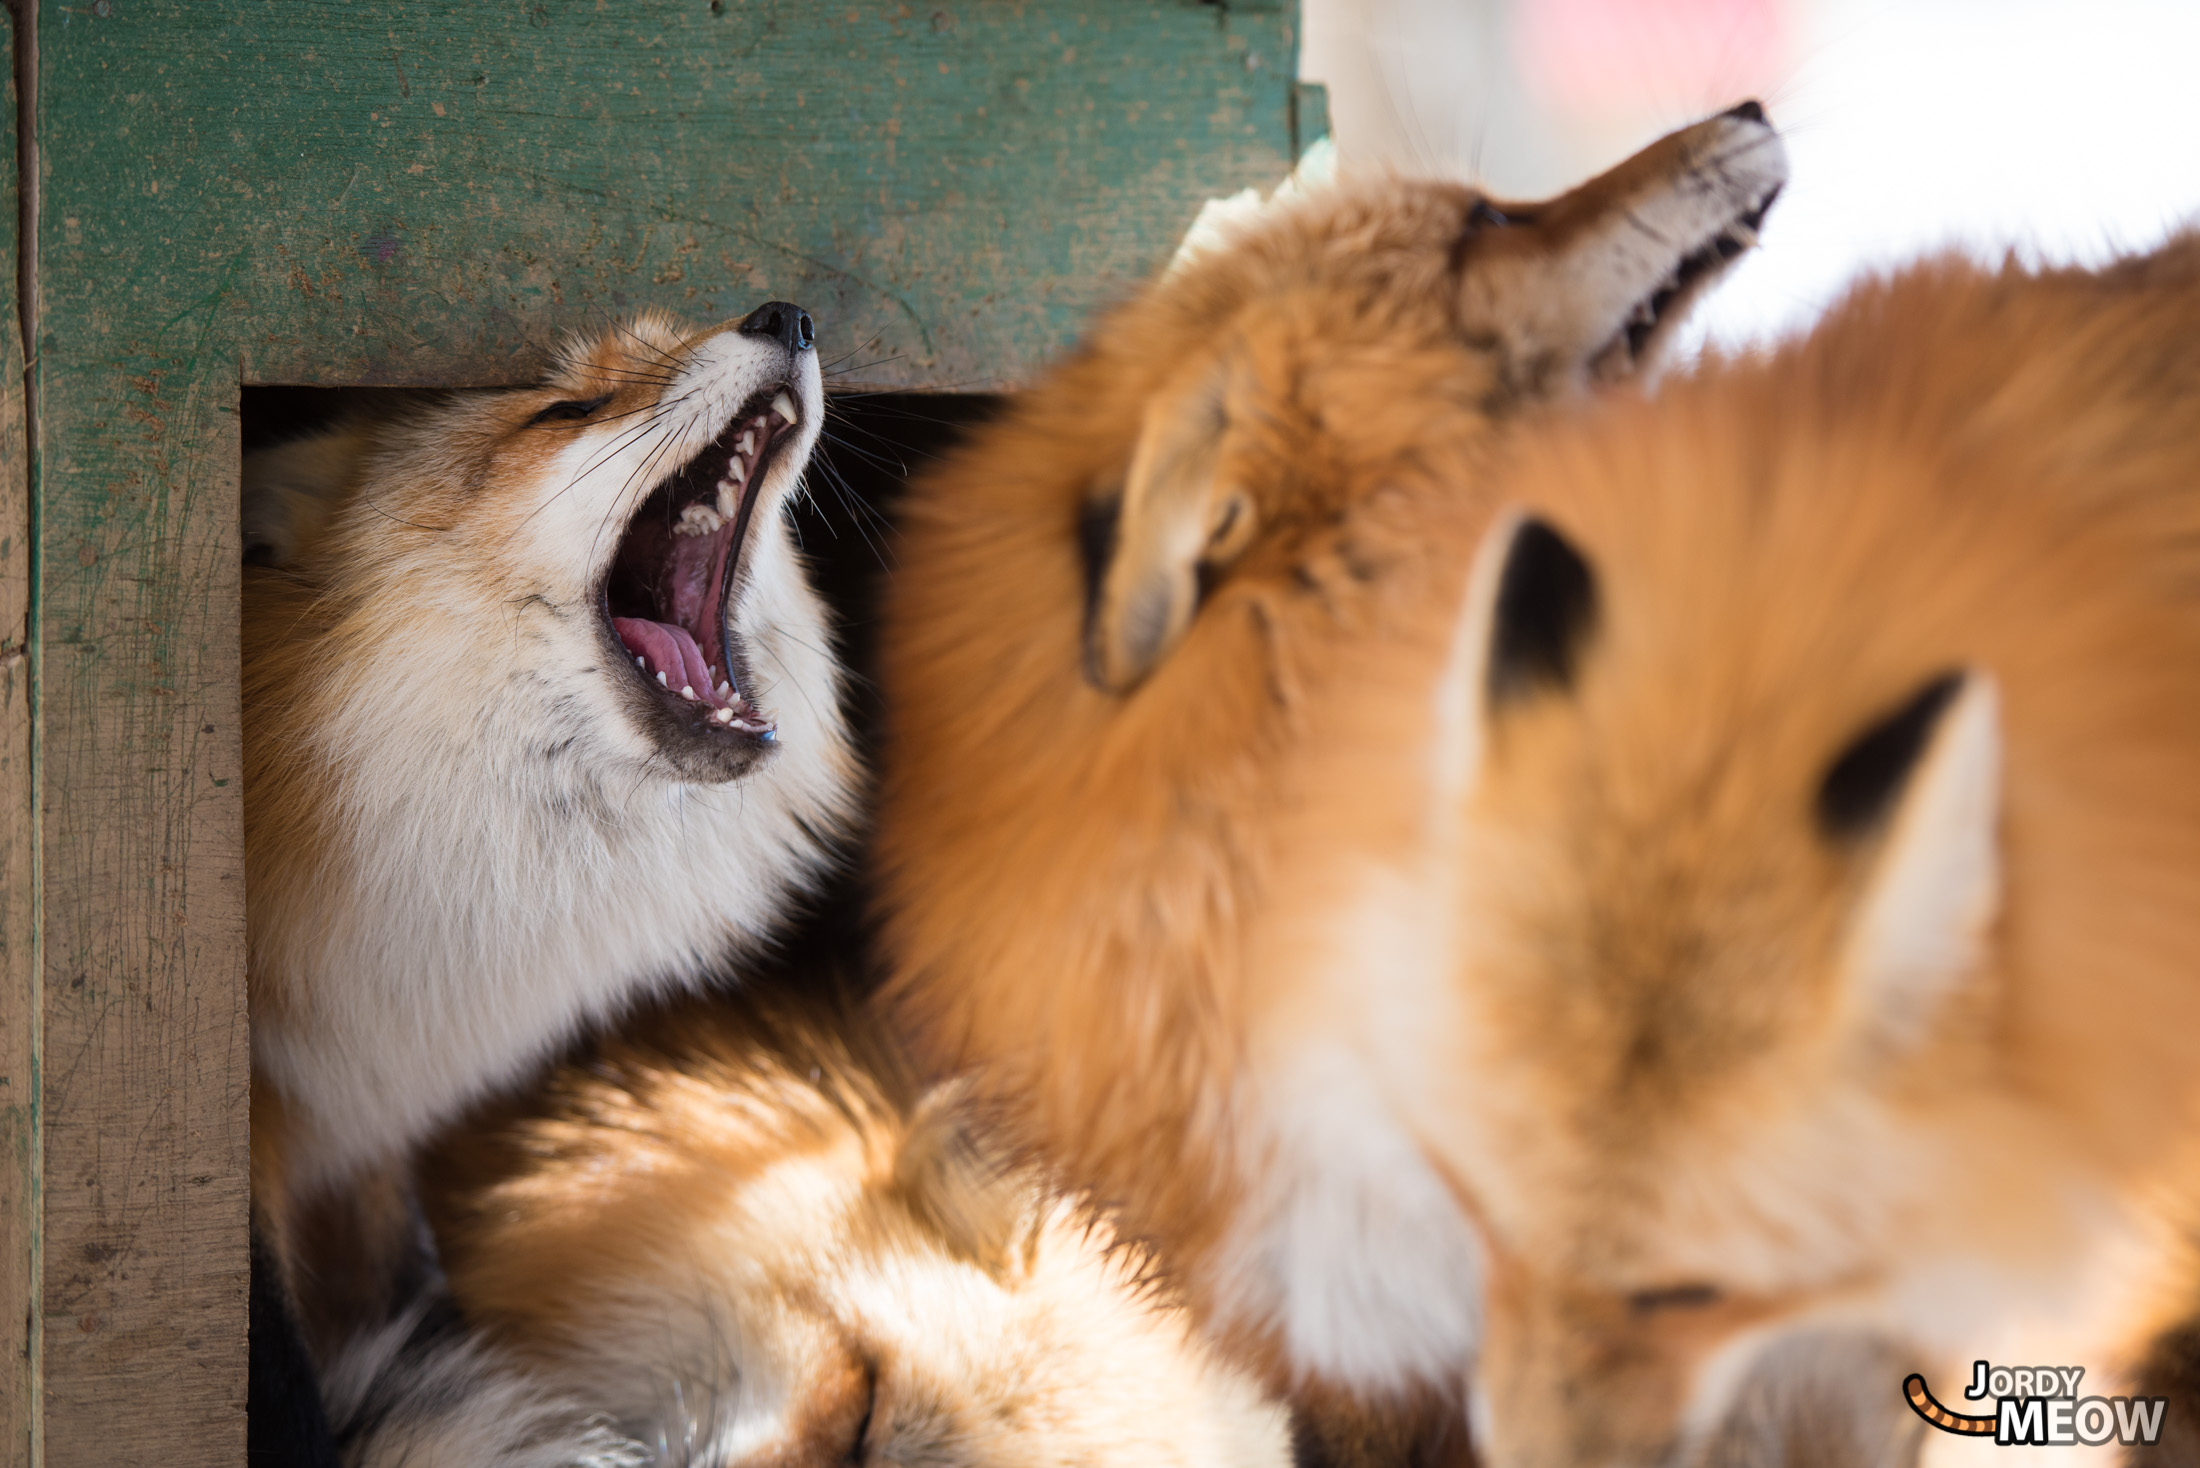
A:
{"points": [[739, 1236], [1814, 796], [1117, 615]]}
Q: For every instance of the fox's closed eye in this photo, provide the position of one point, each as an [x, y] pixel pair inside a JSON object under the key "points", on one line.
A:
{"points": [[569, 410], [1673, 1297]]}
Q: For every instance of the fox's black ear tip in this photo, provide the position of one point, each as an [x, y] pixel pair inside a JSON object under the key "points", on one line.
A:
{"points": [[1860, 788], [1545, 612]]}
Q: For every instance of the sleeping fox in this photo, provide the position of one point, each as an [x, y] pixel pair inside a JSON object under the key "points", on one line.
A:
{"points": [[741, 1235], [1802, 946], [540, 716], [1117, 615]]}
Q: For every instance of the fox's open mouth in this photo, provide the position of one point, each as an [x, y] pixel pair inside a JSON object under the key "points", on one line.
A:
{"points": [[1683, 283], [667, 595]]}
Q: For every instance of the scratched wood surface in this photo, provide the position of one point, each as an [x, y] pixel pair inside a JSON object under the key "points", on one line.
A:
{"points": [[19, 1009], [319, 192], [425, 193]]}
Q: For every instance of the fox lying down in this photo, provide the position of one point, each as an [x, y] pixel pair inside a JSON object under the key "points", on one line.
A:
{"points": [[1816, 801], [540, 714], [1119, 615], [741, 1235]]}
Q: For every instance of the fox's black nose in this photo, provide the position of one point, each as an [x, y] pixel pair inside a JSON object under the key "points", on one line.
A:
{"points": [[1750, 111], [784, 322]]}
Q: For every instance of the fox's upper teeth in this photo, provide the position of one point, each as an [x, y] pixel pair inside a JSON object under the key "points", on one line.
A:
{"points": [[1742, 234], [737, 472], [748, 443], [784, 407]]}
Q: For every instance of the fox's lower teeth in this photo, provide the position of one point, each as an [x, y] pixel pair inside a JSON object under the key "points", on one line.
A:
{"points": [[651, 618], [700, 519]]}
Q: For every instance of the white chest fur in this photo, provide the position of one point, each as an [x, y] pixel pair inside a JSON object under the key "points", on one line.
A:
{"points": [[502, 869]]}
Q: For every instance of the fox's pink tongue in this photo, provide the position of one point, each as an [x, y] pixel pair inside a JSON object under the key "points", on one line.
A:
{"points": [[670, 650]]}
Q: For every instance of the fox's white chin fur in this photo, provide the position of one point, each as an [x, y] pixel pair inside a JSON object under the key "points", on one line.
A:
{"points": [[510, 853]]}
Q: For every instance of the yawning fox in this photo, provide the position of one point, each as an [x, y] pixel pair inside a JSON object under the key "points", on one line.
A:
{"points": [[540, 715]]}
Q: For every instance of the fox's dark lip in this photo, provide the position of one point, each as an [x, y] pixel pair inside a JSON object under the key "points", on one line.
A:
{"points": [[1738, 236], [682, 556]]}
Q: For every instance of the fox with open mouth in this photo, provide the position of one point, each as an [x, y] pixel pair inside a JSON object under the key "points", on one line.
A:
{"points": [[540, 715]]}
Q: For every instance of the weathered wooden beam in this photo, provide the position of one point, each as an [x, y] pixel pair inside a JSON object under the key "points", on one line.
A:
{"points": [[427, 193], [144, 1050], [20, 1142]]}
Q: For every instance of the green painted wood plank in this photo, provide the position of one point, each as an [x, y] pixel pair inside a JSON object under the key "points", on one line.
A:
{"points": [[145, 1048], [19, 987], [413, 192], [317, 191]]}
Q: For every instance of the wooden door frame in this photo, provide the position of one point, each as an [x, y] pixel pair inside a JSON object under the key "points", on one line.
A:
{"points": [[219, 192]]}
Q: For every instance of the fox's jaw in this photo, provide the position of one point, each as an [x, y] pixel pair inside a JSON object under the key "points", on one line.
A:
{"points": [[510, 826], [1622, 260]]}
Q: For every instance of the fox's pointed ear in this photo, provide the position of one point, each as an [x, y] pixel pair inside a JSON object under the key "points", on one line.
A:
{"points": [[1544, 611], [1175, 517], [290, 491], [1922, 785], [971, 1202], [1530, 611]]}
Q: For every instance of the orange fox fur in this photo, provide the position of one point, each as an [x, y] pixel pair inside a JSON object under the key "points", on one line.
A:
{"points": [[1118, 615], [1736, 1022], [741, 1234]]}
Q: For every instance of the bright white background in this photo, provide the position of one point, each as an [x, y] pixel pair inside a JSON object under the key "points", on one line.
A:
{"points": [[2066, 129]]}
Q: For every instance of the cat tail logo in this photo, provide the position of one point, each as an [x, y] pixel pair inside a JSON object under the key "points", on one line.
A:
{"points": [[2040, 1407], [1924, 1405]]}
